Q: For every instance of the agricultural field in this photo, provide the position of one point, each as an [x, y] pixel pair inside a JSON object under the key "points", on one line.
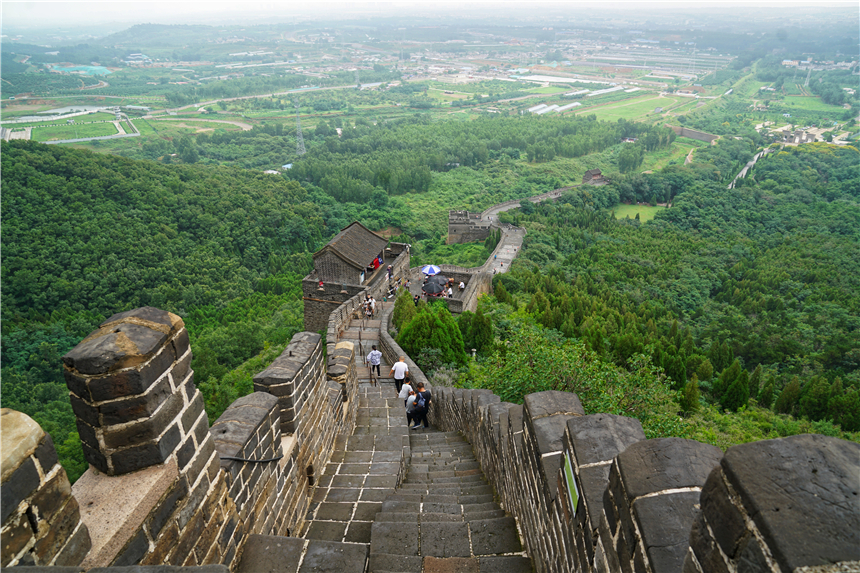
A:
{"points": [[812, 103], [636, 109], [74, 131], [645, 212]]}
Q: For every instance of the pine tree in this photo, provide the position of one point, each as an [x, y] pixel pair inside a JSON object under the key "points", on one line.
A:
{"points": [[846, 408], [726, 378], [814, 403], [690, 395], [755, 382], [765, 399], [482, 332], [787, 401], [737, 395], [705, 370]]}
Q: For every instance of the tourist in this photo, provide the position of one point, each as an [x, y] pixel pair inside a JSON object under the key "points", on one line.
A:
{"points": [[374, 359], [372, 304], [450, 292], [400, 370], [405, 390], [422, 406], [416, 299], [410, 408], [462, 286]]}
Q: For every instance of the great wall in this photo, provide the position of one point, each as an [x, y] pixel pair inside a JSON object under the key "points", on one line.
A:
{"points": [[317, 471]]}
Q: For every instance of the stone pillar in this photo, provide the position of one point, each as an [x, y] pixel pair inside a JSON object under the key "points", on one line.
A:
{"points": [[780, 505], [41, 520], [132, 391], [651, 500]]}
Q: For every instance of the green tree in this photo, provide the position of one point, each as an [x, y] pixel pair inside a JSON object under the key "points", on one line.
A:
{"points": [[738, 393], [846, 410], [727, 378], [755, 382], [404, 309], [434, 327], [705, 370], [766, 396], [788, 398], [815, 401], [690, 395]]}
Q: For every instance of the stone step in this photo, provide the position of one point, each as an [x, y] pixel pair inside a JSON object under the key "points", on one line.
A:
{"points": [[494, 536], [392, 563], [505, 564], [464, 479], [273, 554], [448, 489]]}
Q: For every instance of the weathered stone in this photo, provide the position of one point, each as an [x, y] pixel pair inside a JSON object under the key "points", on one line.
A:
{"points": [[51, 496], [552, 402], [18, 486], [59, 531], [76, 548], [600, 437], [145, 430], [664, 523], [114, 347], [445, 539], [726, 521], [329, 556], [46, 454], [133, 552], [84, 411], [651, 466], [127, 410], [131, 382], [17, 533], [450, 565], [139, 457], [802, 493], [148, 314], [492, 536], [166, 507], [266, 553]]}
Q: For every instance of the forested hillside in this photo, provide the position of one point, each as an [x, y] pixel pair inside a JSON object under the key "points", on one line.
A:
{"points": [[88, 235], [745, 293]]}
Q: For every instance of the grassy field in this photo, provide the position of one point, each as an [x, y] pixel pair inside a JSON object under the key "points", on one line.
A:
{"points": [[646, 212], [73, 131], [812, 104], [79, 119], [674, 155], [633, 109]]}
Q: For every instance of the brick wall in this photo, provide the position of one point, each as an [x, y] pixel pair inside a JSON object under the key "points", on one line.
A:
{"points": [[693, 134], [590, 493], [41, 520]]}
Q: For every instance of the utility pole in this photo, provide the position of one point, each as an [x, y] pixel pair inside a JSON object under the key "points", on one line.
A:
{"points": [[300, 141]]}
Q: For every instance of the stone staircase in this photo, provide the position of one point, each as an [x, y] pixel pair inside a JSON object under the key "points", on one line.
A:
{"points": [[413, 501], [443, 517]]}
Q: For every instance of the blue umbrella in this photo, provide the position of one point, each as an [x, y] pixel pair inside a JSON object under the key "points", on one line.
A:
{"points": [[431, 270]]}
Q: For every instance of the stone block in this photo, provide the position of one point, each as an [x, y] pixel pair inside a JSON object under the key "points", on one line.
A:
{"points": [[51, 496], [20, 483], [264, 553], [133, 552], [651, 466], [17, 533], [192, 412], [129, 409], [144, 430], [600, 437], [166, 506], [46, 454], [664, 522], [725, 519], [133, 381], [331, 556], [76, 548], [551, 403], [801, 492], [60, 529], [151, 454]]}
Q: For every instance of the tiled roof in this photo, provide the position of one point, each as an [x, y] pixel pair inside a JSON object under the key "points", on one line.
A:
{"points": [[356, 244]]}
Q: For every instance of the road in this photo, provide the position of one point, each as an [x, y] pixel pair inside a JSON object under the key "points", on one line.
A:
{"points": [[244, 126]]}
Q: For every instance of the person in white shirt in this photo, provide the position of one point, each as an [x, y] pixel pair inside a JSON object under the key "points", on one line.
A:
{"points": [[372, 306], [374, 358], [462, 286], [399, 371], [405, 390], [450, 292]]}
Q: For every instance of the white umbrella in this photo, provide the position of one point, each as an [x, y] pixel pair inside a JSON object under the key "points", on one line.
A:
{"points": [[431, 270]]}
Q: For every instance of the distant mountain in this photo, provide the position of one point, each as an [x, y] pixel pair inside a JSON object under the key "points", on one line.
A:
{"points": [[143, 36]]}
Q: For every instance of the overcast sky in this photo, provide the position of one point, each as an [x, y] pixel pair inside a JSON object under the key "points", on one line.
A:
{"points": [[49, 14]]}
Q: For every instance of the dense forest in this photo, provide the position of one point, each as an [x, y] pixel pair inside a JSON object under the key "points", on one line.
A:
{"points": [[746, 293]]}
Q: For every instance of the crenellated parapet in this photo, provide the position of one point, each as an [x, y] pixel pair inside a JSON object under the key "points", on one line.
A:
{"points": [[590, 493]]}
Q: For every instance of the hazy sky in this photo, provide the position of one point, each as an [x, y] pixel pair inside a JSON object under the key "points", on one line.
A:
{"points": [[49, 14]]}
